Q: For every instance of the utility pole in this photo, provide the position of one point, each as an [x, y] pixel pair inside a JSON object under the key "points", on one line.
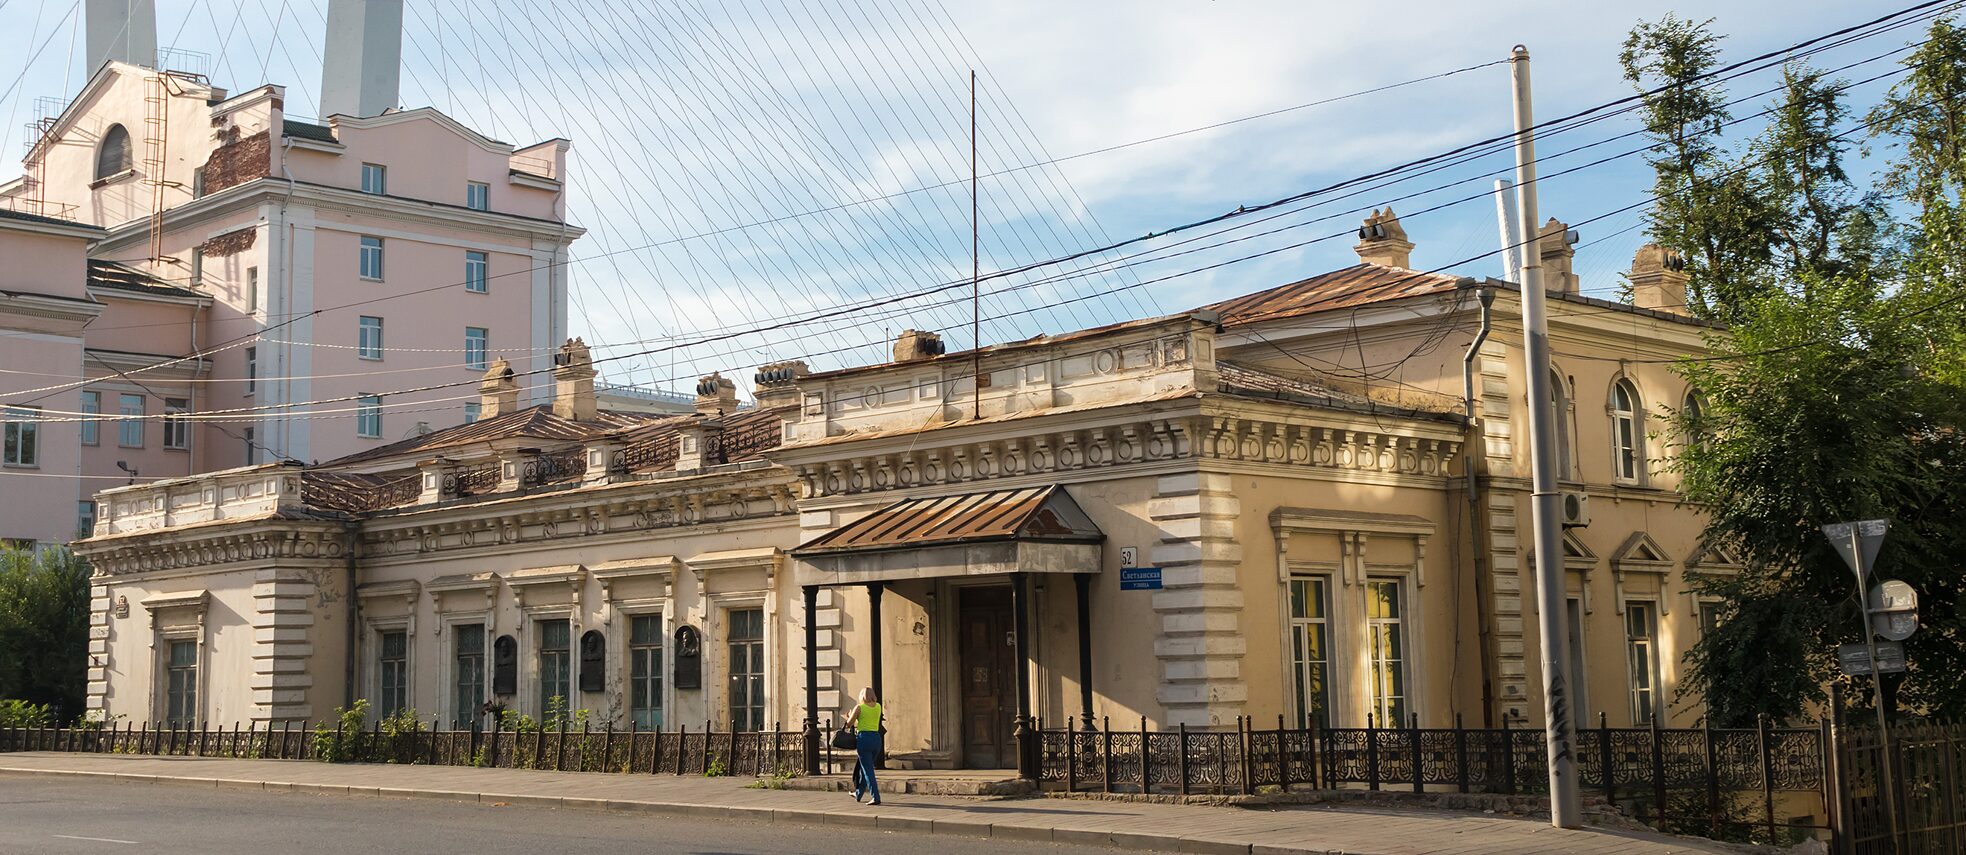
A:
{"points": [[1566, 805], [975, 268]]}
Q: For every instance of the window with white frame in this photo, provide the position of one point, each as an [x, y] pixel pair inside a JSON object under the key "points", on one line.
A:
{"points": [[392, 672], [1560, 401], [1641, 645], [467, 673], [22, 436], [91, 426], [85, 517], [555, 663], [177, 428], [1709, 616], [477, 270], [645, 671], [113, 153], [1385, 616], [129, 428], [1310, 648], [477, 195], [368, 416], [1627, 433], [475, 341], [371, 259], [745, 642], [472, 409], [252, 370], [252, 447], [181, 683], [368, 337], [252, 290], [1693, 411], [375, 178]]}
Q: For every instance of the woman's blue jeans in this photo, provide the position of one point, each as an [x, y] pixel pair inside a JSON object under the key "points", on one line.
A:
{"points": [[869, 746]]}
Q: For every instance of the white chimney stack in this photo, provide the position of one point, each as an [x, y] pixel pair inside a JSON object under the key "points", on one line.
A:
{"points": [[122, 31], [364, 58]]}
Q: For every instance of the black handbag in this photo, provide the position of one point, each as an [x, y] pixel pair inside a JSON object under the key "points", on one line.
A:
{"points": [[845, 738]]}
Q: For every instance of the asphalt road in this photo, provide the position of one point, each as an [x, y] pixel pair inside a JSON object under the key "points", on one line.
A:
{"points": [[93, 817]]}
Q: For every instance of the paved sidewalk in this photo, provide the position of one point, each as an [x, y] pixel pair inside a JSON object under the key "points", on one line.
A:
{"points": [[1185, 828]]}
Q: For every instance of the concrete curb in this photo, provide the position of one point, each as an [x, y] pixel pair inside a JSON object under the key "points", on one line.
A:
{"points": [[1022, 831]]}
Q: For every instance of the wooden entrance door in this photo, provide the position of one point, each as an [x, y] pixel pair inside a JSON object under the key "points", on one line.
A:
{"points": [[989, 677]]}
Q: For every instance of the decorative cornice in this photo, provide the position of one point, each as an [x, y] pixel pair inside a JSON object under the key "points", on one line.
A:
{"points": [[261, 541]]}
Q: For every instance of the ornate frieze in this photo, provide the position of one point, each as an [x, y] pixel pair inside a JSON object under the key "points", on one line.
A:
{"points": [[173, 551]]}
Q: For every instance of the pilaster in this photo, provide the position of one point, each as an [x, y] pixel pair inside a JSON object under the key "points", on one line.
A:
{"points": [[1200, 604], [283, 627]]}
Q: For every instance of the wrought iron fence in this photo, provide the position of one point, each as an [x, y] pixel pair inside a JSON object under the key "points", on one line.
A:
{"points": [[1751, 784], [677, 752], [1928, 788]]}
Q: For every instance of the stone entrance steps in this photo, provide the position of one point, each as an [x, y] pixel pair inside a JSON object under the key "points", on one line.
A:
{"points": [[926, 782]]}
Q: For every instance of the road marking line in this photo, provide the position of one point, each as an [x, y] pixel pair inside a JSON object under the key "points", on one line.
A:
{"points": [[94, 839]]}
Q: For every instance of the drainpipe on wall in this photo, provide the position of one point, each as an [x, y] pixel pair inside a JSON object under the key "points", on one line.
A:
{"points": [[1473, 445], [287, 261], [354, 606]]}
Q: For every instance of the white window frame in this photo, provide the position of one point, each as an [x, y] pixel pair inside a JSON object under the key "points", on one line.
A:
{"points": [[724, 609], [377, 630], [1628, 462], [1564, 405], [477, 195], [368, 416], [252, 370], [663, 677], [1375, 706], [22, 437], [125, 423], [531, 686], [368, 338], [1649, 695], [472, 409], [1299, 671], [369, 261], [177, 617], [477, 271], [177, 430], [447, 647], [252, 291], [91, 428], [252, 446], [477, 348], [375, 179]]}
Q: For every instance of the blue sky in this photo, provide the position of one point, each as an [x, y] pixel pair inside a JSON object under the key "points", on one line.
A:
{"points": [[694, 121]]}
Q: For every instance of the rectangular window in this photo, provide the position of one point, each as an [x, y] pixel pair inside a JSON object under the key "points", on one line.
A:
{"points": [[1385, 618], [555, 663], [252, 370], [197, 265], [181, 681], [375, 178], [468, 652], [1641, 626], [85, 518], [368, 337], [252, 448], [393, 672], [747, 669], [91, 428], [471, 411], [645, 671], [477, 195], [1709, 617], [368, 416], [1579, 704], [475, 341], [252, 290], [477, 267], [198, 182], [23, 437], [371, 257], [177, 429], [129, 429], [1310, 648]]}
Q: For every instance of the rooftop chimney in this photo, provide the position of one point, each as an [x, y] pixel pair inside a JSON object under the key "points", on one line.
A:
{"points": [[1557, 243], [917, 344], [1658, 279], [364, 57], [777, 384], [573, 382], [498, 393], [1383, 241], [715, 395], [122, 31]]}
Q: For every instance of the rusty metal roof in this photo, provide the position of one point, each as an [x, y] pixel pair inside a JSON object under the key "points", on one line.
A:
{"points": [[1357, 285], [1032, 513]]}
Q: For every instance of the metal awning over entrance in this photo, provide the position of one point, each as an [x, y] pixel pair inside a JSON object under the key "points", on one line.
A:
{"points": [[1031, 530]]}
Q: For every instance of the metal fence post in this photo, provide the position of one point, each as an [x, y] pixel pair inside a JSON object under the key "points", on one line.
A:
{"points": [[1248, 783], [494, 743], [1145, 756], [682, 747], [1604, 758], [1371, 753], [1659, 772], [1460, 754], [1508, 756], [1713, 777], [1419, 780], [1767, 775], [1182, 747], [1106, 753], [1071, 755]]}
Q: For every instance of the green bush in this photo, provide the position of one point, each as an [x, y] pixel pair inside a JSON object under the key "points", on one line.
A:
{"points": [[18, 713], [339, 743], [44, 629]]}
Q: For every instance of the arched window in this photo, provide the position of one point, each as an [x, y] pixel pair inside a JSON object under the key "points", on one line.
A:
{"points": [[1627, 433], [1560, 401], [1693, 412], [113, 155]]}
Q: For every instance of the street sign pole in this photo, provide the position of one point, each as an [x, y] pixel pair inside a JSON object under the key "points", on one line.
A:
{"points": [[1887, 775]]}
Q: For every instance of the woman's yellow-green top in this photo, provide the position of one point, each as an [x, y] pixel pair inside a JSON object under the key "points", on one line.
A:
{"points": [[869, 718]]}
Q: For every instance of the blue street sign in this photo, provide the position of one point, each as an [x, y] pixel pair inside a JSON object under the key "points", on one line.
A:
{"points": [[1139, 578]]}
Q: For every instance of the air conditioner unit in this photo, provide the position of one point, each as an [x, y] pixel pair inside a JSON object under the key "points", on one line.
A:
{"points": [[1575, 506]]}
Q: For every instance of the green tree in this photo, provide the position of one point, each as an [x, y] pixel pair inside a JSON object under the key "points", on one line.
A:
{"points": [[44, 628]]}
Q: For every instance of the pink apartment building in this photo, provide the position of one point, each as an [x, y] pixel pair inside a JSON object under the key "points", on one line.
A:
{"points": [[316, 269]]}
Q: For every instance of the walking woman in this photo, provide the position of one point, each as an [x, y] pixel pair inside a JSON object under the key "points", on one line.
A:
{"points": [[866, 720]]}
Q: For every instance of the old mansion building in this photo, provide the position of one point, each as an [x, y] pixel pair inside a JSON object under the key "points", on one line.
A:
{"points": [[1309, 501]]}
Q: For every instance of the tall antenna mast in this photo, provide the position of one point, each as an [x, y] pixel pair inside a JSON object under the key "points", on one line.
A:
{"points": [[975, 269]]}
